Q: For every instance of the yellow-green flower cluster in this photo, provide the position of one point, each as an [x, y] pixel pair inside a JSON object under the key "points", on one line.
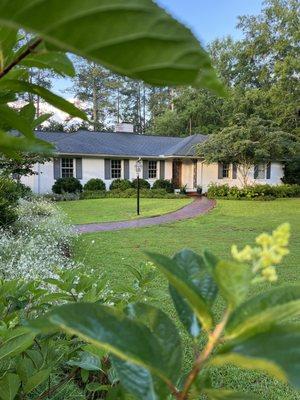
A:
{"points": [[270, 251]]}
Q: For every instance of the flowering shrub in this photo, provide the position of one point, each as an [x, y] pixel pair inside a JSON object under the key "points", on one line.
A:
{"points": [[37, 243], [269, 253], [259, 192]]}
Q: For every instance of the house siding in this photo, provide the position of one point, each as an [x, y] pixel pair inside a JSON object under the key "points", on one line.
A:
{"points": [[93, 167]]}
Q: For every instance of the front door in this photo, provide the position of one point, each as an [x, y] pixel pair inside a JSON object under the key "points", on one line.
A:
{"points": [[177, 169]]}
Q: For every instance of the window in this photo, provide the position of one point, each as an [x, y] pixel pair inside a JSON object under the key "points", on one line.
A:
{"points": [[152, 169], [260, 171], [225, 170], [115, 169], [67, 167]]}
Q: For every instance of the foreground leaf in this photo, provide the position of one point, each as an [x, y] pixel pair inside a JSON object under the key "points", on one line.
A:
{"points": [[131, 37], [109, 329], [10, 145], [35, 380], [233, 280], [16, 342], [181, 281], [18, 86], [276, 352], [86, 361], [264, 310], [138, 380], [9, 386], [58, 62], [201, 275]]}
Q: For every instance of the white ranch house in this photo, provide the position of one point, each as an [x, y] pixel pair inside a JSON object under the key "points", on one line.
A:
{"points": [[108, 156]]}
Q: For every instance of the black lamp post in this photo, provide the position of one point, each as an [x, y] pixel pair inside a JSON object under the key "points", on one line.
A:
{"points": [[138, 168]]}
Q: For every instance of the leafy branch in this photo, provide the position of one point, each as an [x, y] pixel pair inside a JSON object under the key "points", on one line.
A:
{"points": [[21, 56]]}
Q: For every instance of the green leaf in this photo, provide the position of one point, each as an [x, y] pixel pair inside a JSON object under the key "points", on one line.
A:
{"points": [[185, 313], [136, 38], [57, 61], [181, 281], [15, 120], [210, 260], [86, 361], [96, 387], [8, 40], [139, 381], [276, 352], [18, 86], [264, 310], [200, 274], [164, 331], [222, 394], [35, 380], [16, 342], [109, 329], [9, 386], [233, 280], [10, 145], [196, 268]]}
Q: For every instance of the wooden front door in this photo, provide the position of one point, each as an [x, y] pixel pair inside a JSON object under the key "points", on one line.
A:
{"points": [[177, 169]]}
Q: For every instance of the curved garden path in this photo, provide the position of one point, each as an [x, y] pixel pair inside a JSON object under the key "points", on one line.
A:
{"points": [[200, 205]]}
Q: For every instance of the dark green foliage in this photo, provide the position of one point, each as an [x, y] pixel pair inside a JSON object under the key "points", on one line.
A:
{"points": [[292, 171], [95, 184], [255, 192], [143, 183], [8, 214], [92, 194], [120, 184], [163, 184], [10, 192], [67, 185]]}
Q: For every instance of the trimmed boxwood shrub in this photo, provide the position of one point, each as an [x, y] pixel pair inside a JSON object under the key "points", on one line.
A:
{"points": [[255, 192], [67, 185], [120, 184], [94, 185], [143, 184], [163, 184]]}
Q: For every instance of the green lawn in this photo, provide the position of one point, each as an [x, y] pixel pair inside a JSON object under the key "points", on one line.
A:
{"points": [[103, 210], [230, 222]]}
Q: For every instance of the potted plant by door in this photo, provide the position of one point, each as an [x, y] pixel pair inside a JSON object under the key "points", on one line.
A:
{"points": [[199, 189]]}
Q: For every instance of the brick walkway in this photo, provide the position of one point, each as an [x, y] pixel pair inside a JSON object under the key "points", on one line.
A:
{"points": [[198, 206]]}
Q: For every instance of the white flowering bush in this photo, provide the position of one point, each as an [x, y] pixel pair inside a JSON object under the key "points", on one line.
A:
{"points": [[37, 244]]}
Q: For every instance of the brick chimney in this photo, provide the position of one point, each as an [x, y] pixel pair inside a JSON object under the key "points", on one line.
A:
{"points": [[124, 127]]}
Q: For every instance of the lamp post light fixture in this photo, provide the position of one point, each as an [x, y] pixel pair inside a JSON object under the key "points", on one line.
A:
{"points": [[138, 169]]}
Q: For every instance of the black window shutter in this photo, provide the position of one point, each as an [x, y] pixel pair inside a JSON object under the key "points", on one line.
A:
{"points": [[234, 171], [107, 169], [220, 171], [79, 168], [146, 169], [269, 170], [162, 167], [126, 169], [56, 168], [255, 171]]}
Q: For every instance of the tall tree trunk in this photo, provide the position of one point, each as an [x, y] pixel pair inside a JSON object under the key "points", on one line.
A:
{"points": [[95, 106], [144, 108]]}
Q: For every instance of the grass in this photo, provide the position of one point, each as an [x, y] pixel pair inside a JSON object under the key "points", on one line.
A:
{"points": [[230, 222], [103, 210]]}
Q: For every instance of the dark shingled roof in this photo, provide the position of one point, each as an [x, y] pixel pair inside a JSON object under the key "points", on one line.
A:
{"points": [[121, 144]]}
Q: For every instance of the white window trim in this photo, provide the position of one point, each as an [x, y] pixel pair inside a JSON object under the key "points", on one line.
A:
{"points": [[74, 167], [156, 164], [264, 170], [121, 169]]}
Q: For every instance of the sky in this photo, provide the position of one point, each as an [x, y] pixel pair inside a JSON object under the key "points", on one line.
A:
{"points": [[208, 19]]}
